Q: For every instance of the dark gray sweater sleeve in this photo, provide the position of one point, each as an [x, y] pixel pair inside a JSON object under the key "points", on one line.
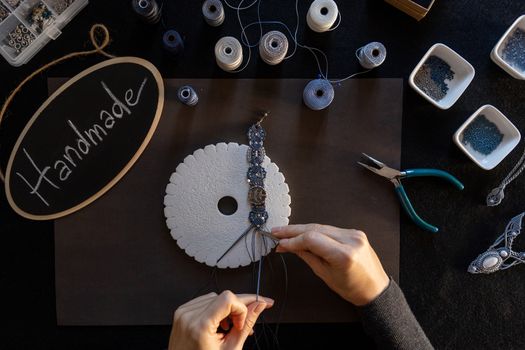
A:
{"points": [[390, 322]]}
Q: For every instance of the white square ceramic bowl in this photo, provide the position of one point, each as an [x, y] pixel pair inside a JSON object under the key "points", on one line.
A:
{"points": [[511, 138], [496, 54], [464, 73]]}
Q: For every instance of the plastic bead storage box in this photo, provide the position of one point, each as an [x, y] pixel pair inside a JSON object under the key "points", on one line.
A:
{"points": [[26, 26]]}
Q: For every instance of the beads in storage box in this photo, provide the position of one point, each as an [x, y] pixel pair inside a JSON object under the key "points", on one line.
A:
{"points": [[26, 26]]}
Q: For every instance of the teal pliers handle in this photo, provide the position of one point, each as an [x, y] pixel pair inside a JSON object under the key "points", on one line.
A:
{"points": [[435, 173], [405, 202]]}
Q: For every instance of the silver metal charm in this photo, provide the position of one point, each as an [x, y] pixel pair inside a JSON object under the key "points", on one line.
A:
{"points": [[500, 255], [496, 195]]}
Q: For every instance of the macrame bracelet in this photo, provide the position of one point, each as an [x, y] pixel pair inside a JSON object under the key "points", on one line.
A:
{"points": [[256, 175]]}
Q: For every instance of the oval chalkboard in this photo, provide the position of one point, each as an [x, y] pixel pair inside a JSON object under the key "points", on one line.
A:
{"points": [[84, 138]]}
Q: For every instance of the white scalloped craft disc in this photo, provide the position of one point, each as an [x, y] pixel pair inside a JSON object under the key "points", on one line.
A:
{"points": [[191, 205]]}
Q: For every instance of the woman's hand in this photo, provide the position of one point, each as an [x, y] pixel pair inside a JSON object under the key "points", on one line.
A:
{"points": [[196, 323], [342, 258]]}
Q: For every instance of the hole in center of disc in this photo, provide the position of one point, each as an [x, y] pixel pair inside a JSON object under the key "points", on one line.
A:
{"points": [[274, 44], [319, 93], [185, 93], [375, 52], [213, 8], [228, 50], [227, 205], [143, 3], [171, 38], [324, 11]]}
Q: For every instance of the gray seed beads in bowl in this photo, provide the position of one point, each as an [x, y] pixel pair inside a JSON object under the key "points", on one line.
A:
{"points": [[432, 77], [482, 135], [514, 51]]}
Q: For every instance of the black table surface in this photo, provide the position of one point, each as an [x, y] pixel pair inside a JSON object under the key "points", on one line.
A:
{"points": [[457, 310]]}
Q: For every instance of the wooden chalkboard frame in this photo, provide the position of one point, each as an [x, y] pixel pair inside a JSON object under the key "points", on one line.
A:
{"points": [[160, 105]]}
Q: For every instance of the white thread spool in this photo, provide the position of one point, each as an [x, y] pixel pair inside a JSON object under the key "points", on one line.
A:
{"points": [[273, 47], [371, 55], [322, 15], [213, 12], [228, 53]]}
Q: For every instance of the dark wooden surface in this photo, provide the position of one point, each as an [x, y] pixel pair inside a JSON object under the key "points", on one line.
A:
{"points": [[457, 310]]}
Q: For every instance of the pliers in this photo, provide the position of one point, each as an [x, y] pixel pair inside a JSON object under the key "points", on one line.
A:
{"points": [[395, 177]]}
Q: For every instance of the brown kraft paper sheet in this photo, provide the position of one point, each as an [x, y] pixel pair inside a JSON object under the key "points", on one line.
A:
{"points": [[116, 263]]}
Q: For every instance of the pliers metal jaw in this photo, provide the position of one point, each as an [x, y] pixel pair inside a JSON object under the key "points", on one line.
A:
{"points": [[395, 177]]}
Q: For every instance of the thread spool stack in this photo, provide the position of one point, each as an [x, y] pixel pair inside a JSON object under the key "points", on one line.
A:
{"points": [[228, 53], [273, 47], [318, 94], [188, 96], [322, 15], [371, 55], [213, 12], [172, 42], [148, 10]]}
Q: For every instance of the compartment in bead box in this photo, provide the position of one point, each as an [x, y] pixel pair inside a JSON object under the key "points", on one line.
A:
{"points": [[13, 4], [59, 6], [4, 12], [36, 14], [16, 36], [26, 26]]}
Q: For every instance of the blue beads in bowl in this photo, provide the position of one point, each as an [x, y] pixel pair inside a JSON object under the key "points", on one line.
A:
{"points": [[509, 52], [442, 76], [487, 137]]}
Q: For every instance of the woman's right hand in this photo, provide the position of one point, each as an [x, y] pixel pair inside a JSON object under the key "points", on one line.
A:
{"points": [[342, 258]]}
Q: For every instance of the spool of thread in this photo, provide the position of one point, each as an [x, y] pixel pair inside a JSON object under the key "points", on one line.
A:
{"points": [[322, 15], [273, 47], [187, 95], [213, 12], [228, 53], [371, 55], [148, 10], [318, 94], [172, 42]]}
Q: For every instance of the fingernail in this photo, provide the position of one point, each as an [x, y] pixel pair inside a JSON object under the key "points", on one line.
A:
{"points": [[268, 301], [260, 308], [277, 229]]}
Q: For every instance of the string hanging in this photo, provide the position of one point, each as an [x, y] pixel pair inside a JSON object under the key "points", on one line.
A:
{"points": [[319, 56]]}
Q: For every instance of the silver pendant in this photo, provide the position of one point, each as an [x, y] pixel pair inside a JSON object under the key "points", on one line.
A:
{"points": [[500, 255], [495, 196]]}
